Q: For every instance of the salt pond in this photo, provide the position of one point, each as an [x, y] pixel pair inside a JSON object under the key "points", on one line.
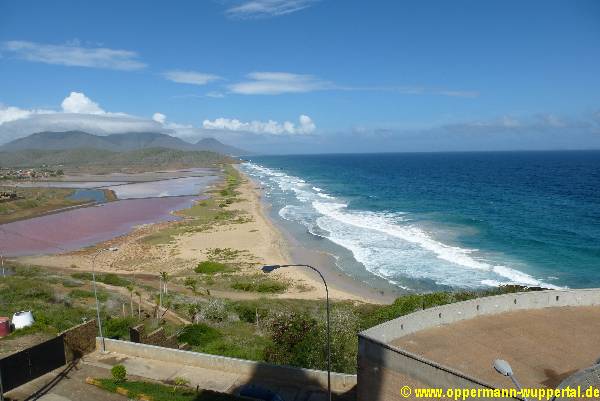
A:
{"points": [[78, 228]]}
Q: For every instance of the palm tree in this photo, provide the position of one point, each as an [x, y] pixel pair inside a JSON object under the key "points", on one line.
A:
{"points": [[165, 277], [130, 289]]}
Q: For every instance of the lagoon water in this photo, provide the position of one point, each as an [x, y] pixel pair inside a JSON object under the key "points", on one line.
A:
{"points": [[445, 220]]}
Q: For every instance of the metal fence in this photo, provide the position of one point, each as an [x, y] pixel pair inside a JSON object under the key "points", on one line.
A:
{"points": [[31, 363]]}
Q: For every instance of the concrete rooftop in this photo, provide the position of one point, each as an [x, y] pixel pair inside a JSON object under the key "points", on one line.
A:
{"points": [[544, 346]]}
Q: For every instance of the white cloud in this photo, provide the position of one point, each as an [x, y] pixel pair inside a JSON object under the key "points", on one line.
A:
{"points": [[214, 94], [275, 83], [267, 8], [73, 54], [159, 118], [79, 103], [190, 77], [305, 126]]}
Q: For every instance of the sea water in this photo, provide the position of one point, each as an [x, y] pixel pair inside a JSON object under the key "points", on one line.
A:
{"points": [[425, 221]]}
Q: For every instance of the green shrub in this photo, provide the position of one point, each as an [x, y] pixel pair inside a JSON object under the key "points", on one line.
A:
{"points": [[119, 373], [118, 327], [198, 334], [214, 310], [211, 267], [247, 311]]}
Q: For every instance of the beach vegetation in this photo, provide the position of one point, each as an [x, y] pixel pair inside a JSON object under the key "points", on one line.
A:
{"points": [[212, 267]]}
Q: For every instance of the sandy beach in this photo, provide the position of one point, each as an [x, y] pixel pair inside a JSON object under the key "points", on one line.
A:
{"points": [[256, 237]]}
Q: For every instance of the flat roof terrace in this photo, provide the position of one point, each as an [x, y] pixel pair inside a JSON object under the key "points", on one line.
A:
{"points": [[543, 346]]}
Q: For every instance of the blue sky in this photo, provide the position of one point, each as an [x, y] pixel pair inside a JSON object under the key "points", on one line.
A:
{"points": [[308, 75]]}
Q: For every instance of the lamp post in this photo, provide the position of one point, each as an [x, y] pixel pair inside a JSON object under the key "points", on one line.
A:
{"points": [[111, 249], [269, 269], [504, 369]]}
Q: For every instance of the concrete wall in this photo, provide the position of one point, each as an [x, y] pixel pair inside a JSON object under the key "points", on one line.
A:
{"points": [[339, 382], [382, 366]]}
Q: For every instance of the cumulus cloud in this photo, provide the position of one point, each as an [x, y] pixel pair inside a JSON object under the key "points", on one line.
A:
{"points": [[190, 77], [79, 103], [275, 83], [305, 126], [73, 54], [267, 8], [159, 118]]}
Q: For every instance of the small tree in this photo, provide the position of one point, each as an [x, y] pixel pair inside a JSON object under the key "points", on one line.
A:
{"points": [[191, 283], [119, 373]]}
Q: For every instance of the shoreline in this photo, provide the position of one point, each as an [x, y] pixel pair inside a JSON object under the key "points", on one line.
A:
{"points": [[339, 283], [257, 237]]}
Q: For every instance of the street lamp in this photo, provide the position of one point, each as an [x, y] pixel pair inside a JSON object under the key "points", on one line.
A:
{"points": [[269, 269], [111, 249], [504, 369]]}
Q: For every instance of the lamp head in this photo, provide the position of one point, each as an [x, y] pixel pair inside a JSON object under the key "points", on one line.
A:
{"points": [[503, 367], [270, 268]]}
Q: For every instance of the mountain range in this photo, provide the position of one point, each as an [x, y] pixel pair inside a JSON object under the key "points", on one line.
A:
{"points": [[115, 142]]}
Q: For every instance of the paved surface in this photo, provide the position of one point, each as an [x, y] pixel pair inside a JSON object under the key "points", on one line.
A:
{"points": [[65, 385], [69, 384], [543, 346]]}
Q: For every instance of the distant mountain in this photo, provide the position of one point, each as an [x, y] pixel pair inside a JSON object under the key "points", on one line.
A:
{"points": [[214, 145], [115, 142]]}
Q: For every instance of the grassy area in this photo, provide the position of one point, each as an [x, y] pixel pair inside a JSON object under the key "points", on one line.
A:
{"points": [[162, 392], [211, 267], [34, 202], [106, 278], [259, 283], [58, 302], [53, 311], [283, 331]]}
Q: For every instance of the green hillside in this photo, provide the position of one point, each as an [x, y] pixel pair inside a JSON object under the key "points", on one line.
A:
{"points": [[94, 159]]}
